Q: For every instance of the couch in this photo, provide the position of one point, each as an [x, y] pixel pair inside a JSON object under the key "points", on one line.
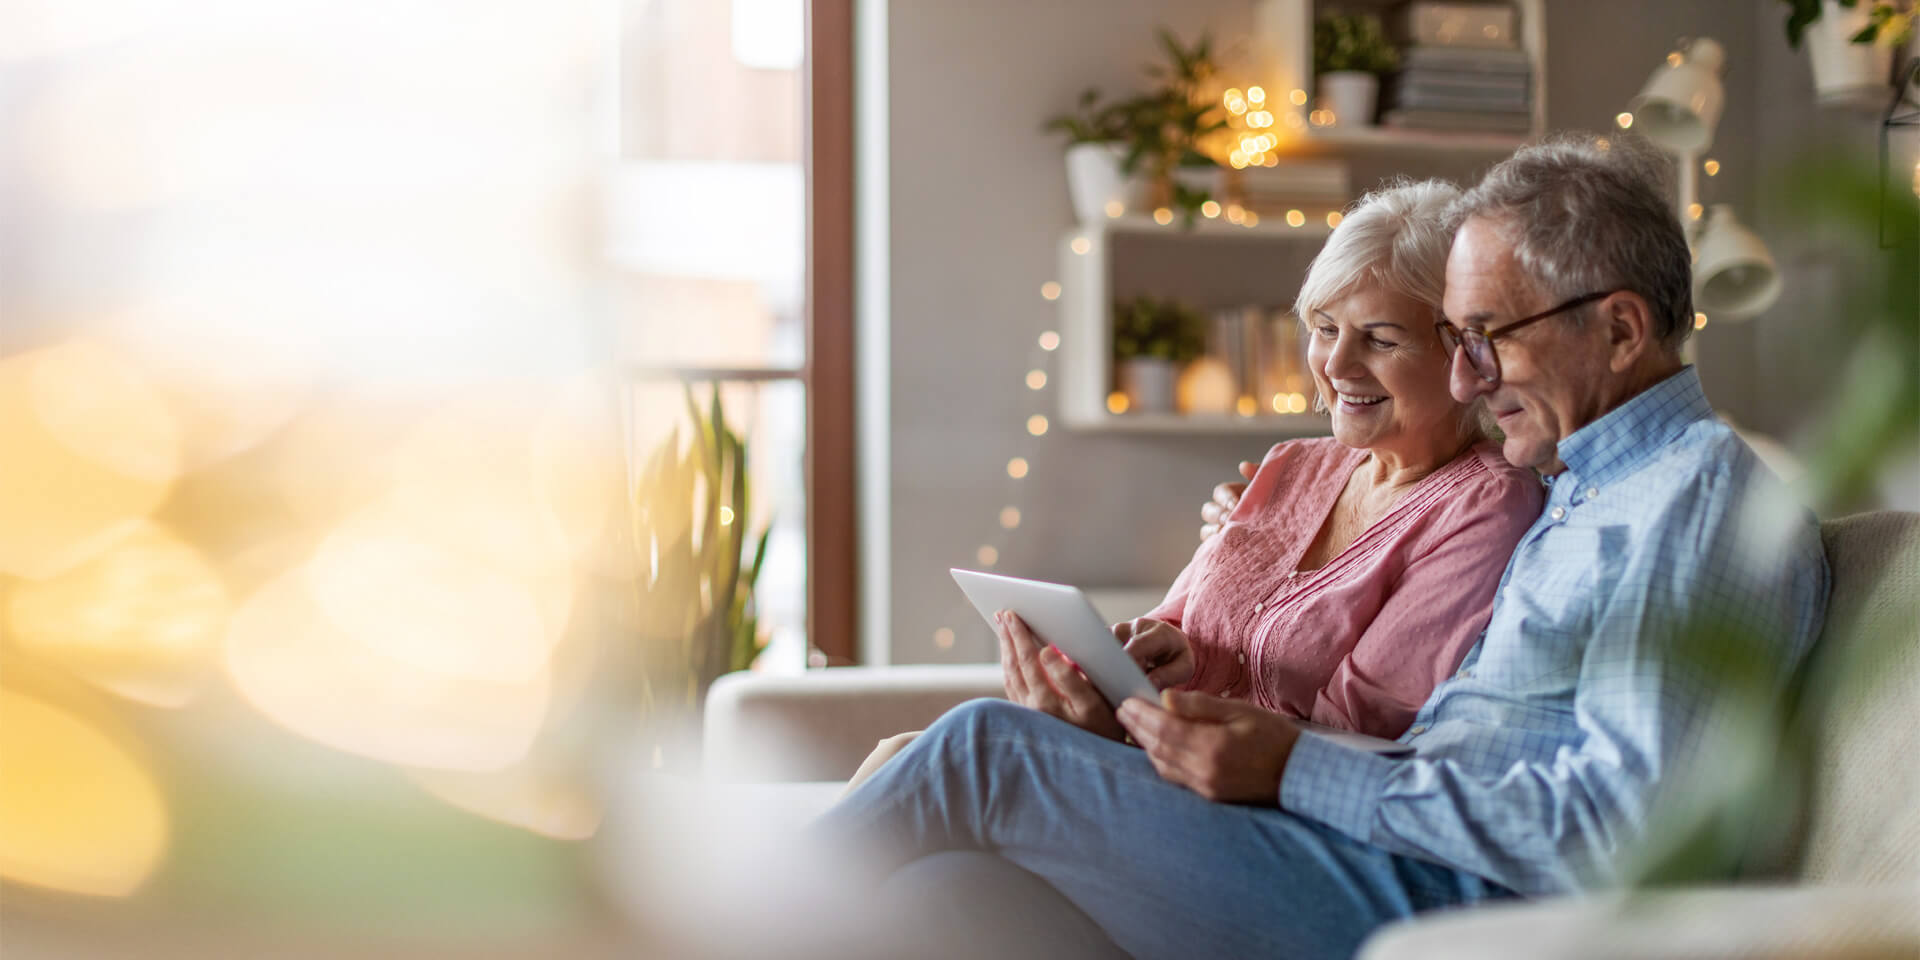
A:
{"points": [[1849, 885]]}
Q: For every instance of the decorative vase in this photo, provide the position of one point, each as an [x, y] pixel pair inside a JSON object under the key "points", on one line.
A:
{"points": [[1094, 181], [1207, 386], [1148, 383], [1351, 95], [1847, 74]]}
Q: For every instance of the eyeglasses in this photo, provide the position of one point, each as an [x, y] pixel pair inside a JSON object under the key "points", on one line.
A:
{"points": [[1479, 343]]}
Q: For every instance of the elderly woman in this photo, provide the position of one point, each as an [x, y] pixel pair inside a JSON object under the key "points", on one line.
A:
{"points": [[1355, 571]]}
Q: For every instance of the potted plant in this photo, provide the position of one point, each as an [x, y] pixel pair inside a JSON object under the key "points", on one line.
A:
{"points": [[698, 563], [1152, 340], [1096, 150], [1145, 151], [1851, 46], [1350, 51]]}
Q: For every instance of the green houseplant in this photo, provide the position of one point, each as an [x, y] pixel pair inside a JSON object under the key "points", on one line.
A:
{"points": [[1851, 45], [1350, 51], [1152, 340], [1144, 151], [696, 570]]}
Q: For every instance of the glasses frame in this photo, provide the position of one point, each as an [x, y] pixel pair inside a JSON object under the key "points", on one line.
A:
{"points": [[1479, 342]]}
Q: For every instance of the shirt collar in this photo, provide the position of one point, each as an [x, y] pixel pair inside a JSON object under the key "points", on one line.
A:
{"points": [[1615, 444]]}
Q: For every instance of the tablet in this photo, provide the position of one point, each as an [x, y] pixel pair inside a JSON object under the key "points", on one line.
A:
{"points": [[1063, 616]]}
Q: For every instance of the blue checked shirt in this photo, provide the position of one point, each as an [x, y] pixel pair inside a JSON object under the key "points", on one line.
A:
{"points": [[1537, 763]]}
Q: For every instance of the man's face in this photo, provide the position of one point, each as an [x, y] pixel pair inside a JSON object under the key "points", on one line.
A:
{"points": [[1552, 372]]}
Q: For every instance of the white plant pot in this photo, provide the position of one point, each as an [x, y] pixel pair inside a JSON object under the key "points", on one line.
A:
{"points": [[1847, 74], [1149, 384], [1351, 95], [1094, 181]]}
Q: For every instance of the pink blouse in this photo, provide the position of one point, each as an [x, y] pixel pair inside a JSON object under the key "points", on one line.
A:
{"points": [[1362, 641]]}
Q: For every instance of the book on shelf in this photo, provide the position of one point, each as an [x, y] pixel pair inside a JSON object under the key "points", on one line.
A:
{"points": [[1457, 121], [1466, 60], [1263, 349], [1426, 99], [1462, 83], [1465, 25]]}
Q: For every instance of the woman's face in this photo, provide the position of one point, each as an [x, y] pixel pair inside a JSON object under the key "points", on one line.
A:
{"points": [[1379, 366]]}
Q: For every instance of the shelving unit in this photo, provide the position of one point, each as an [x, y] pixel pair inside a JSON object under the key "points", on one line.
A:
{"points": [[1100, 263], [1089, 285]]}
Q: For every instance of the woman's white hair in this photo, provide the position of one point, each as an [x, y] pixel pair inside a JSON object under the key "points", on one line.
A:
{"points": [[1396, 237]]}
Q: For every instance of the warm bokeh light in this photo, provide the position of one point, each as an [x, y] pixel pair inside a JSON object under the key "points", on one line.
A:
{"points": [[1298, 97], [1256, 95], [987, 556], [1334, 218], [143, 618], [1162, 216], [1712, 167], [78, 812], [1699, 321], [1050, 290], [1049, 340], [287, 657], [1695, 211], [1037, 425], [1010, 517], [1246, 406], [1081, 245], [1115, 208], [1295, 218], [943, 638], [1210, 209], [1117, 402], [1036, 379], [1017, 467], [90, 449], [1625, 120]]}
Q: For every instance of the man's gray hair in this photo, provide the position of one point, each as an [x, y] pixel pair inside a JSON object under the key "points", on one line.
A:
{"points": [[1395, 237], [1587, 214]]}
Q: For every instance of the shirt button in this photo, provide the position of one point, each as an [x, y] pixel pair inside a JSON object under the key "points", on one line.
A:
{"points": [[1418, 729], [1259, 607], [1243, 659], [1558, 513], [1592, 492], [1466, 674]]}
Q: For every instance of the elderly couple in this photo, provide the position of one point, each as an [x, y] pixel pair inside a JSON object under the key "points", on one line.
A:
{"points": [[1514, 610]]}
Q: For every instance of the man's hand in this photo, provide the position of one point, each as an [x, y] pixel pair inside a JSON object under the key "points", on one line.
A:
{"points": [[1041, 677], [1225, 750], [1160, 648], [1213, 513]]}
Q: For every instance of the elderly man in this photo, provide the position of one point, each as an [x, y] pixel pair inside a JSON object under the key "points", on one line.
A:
{"points": [[1228, 832]]}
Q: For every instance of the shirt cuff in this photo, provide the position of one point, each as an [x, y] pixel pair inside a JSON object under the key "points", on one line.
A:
{"points": [[1335, 785]]}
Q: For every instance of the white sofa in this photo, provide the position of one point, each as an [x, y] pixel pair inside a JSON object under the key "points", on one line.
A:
{"points": [[1850, 887]]}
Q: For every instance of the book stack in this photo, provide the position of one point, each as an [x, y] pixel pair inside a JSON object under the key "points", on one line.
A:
{"points": [[1314, 186], [1461, 71]]}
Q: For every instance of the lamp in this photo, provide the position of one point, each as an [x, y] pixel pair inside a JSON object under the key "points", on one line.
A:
{"points": [[1680, 106], [1733, 276]]}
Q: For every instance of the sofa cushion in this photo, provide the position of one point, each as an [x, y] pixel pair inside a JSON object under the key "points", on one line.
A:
{"points": [[1863, 817]]}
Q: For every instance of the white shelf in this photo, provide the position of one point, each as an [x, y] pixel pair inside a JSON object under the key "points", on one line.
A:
{"points": [[1314, 230], [1287, 424], [1424, 141]]}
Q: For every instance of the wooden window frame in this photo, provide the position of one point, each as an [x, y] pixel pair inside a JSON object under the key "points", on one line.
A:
{"points": [[832, 526]]}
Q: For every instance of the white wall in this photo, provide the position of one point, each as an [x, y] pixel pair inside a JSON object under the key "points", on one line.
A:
{"points": [[978, 201]]}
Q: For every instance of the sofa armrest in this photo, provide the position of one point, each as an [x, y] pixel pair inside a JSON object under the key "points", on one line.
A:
{"points": [[1748, 922], [820, 724]]}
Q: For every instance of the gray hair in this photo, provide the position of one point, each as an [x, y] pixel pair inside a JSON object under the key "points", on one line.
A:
{"points": [[1587, 214], [1396, 237]]}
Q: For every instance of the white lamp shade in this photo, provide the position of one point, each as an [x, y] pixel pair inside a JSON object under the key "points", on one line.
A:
{"points": [[1680, 106], [1733, 274]]}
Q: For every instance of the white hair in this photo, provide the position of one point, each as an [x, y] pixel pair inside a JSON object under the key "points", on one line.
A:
{"points": [[1396, 237]]}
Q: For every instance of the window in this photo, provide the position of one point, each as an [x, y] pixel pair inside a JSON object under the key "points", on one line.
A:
{"points": [[730, 224]]}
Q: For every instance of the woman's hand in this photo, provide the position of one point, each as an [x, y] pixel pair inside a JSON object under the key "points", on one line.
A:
{"points": [[1213, 513], [1041, 677], [1160, 648]]}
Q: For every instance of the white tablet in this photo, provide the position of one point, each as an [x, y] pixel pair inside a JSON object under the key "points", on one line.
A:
{"points": [[1061, 615]]}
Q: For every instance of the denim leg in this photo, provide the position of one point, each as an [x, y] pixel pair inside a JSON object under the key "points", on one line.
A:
{"points": [[1163, 871]]}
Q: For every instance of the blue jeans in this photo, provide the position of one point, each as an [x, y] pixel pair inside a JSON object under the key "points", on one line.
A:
{"points": [[1164, 872]]}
